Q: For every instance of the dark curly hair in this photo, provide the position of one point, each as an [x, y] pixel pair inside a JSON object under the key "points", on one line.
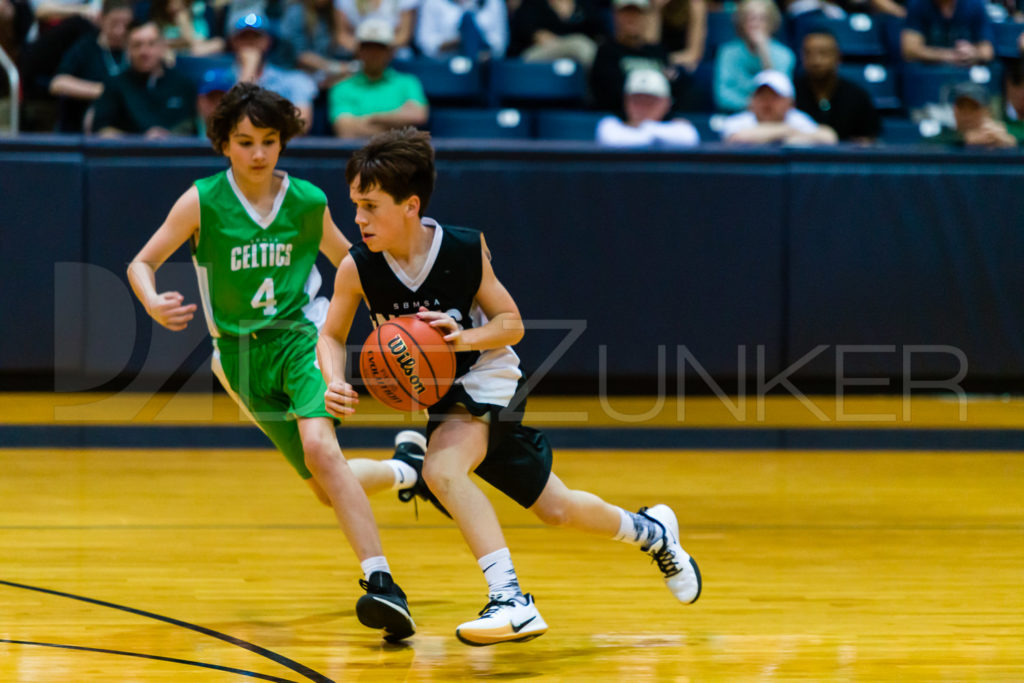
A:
{"points": [[265, 108], [399, 161]]}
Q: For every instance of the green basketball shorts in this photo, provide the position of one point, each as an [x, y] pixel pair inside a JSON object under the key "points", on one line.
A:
{"points": [[276, 377]]}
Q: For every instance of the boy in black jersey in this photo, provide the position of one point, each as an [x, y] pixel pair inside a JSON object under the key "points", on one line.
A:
{"points": [[408, 263]]}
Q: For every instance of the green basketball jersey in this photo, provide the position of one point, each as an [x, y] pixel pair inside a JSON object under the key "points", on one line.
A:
{"points": [[256, 270]]}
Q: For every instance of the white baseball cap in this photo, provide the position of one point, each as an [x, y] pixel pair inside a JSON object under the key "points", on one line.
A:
{"points": [[642, 4], [377, 31], [647, 82], [776, 80]]}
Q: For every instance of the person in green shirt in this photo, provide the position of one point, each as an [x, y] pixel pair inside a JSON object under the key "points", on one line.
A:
{"points": [[377, 98], [255, 233]]}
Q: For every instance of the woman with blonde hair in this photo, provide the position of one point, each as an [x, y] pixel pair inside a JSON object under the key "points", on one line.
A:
{"points": [[753, 51]]}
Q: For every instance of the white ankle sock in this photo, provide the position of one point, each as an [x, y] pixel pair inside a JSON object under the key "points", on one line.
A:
{"points": [[405, 475], [502, 581], [375, 564], [635, 529]]}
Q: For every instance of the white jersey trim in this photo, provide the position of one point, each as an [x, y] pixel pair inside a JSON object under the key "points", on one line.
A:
{"points": [[205, 296], [262, 221], [414, 283], [495, 375], [316, 310]]}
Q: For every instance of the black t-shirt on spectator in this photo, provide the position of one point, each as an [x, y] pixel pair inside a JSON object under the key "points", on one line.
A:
{"points": [[134, 103], [612, 63], [849, 112], [537, 15], [90, 62]]}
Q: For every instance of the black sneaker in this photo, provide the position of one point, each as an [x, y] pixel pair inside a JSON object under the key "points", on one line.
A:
{"points": [[384, 606], [410, 447]]}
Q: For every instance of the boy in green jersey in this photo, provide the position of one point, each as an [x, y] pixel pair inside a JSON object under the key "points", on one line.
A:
{"points": [[255, 233]]}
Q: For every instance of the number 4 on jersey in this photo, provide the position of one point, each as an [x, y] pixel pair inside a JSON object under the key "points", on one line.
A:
{"points": [[264, 298]]}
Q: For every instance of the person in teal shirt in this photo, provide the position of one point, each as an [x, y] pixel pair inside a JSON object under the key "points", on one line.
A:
{"points": [[378, 97], [754, 51]]}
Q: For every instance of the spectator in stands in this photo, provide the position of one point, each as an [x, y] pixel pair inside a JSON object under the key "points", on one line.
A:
{"points": [[188, 26], [1014, 87], [681, 26], [893, 8], [91, 61], [546, 30], [251, 43], [829, 98], [647, 99], [629, 49], [146, 98], [310, 26], [956, 32], [473, 28], [975, 125], [378, 98], [46, 42], [771, 117], [754, 51], [15, 21], [399, 14]]}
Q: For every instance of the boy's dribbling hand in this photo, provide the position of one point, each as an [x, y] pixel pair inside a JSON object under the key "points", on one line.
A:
{"points": [[340, 399], [442, 322], [167, 309]]}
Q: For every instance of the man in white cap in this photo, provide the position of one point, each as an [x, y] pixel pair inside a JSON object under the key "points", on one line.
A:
{"points": [[628, 49], [647, 100], [772, 118], [378, 97]]}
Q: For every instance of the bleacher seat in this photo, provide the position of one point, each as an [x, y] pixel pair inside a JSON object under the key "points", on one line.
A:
{"points": [[699, 94], [709, 126], [858, 35], [194, 68], [897, 131], [879, 80], [1007, 34], [557, 124], [930, 83], [458, 80], [480, 123], [720, 30], [562, 82]]}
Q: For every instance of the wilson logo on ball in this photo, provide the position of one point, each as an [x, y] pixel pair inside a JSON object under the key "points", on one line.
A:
{"points": [[406, 364]]}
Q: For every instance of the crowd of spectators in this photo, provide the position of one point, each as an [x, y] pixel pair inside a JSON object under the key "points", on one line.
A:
{"points": [[109, 67]]}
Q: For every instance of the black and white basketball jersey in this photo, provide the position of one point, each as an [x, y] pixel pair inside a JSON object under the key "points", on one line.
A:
{"points": [[448, 282]]}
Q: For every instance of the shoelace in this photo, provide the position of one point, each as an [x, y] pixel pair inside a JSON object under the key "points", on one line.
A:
{"points": [[495, 605], [666, 559]]}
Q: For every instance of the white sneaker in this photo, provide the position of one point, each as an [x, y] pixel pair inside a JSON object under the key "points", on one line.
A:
{"points": [[681, 573], [413, 437], [503, 621]]}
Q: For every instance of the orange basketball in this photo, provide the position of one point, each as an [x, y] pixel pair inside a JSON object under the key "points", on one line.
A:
{"points": [[406, 364]]}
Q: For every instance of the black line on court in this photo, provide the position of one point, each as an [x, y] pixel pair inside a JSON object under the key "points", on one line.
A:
{"points": [[175, 660], [608, 438], [298, 668]]}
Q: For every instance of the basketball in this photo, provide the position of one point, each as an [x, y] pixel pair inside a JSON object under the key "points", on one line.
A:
{"points": [[406, 364]]}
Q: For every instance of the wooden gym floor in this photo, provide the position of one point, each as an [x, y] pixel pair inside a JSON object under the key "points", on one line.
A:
{"points": [[216, 564]]}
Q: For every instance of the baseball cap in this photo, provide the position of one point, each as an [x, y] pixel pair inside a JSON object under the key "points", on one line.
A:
{"points": [[216, 80], [376, 31], [642, 4], [249, 21], [646, 82], [971, 91], [776, 80]]}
